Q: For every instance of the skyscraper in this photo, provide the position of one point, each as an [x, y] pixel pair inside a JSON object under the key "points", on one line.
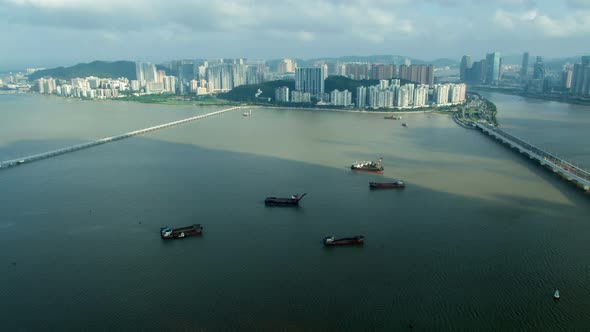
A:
{"points": [[310, 80], [494, 63], [361, 97], [539, 69], [581, 77], [465, 66], [525, 67]]}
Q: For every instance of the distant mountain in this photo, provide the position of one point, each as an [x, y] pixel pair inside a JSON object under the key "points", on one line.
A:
{"points": [[102, 69]]}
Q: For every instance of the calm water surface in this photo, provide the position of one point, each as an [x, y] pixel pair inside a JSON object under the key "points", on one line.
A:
{"points": [[478, 240]]}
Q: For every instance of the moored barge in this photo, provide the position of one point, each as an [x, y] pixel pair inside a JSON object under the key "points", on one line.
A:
{"points": [[284, 201], [368, 166], [179, 233], [355, 240], [387, 185]]}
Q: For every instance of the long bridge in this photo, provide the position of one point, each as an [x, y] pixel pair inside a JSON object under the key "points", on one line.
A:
{"points": [[45, 155], [557, 165]]}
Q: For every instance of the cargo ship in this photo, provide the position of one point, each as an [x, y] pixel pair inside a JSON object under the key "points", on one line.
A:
{"points": [[284, 201], [179, 233], [355, 240], [392, 117], [387, 185], [368, 166]]}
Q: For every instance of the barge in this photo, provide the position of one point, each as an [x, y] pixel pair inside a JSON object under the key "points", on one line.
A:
{"points": [[355, 240], [284, 201], [387, 185], [368, 166], [179, 233]]}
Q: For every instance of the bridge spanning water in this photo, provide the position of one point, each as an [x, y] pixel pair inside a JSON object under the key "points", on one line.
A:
{"points": [[45, 155], [566, 169]]}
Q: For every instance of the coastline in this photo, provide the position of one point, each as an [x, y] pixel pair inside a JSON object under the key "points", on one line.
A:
{"points": [[533, 96], [345, 110]]}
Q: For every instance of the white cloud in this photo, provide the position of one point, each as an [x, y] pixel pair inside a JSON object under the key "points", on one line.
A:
{"points": [[535, 24]]}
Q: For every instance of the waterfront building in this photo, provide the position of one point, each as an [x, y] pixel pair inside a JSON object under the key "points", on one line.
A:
{"points": [[282, 94], [421, 95], [402, 98], [465, 66], [441, 92], [525, 67], [494, 64], [341, 98], [169, 84], [566, 76], [361, 97], [135, 85], [581, 77], [300, 97], [310, 80], [457, 93]]}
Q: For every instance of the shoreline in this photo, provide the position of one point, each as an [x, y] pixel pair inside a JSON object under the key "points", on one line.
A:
{"points": [[343, 110], [534, 96]]}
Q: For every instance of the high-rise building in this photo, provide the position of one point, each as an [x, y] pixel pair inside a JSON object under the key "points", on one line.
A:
{"points": [[478, 72], [457, 93], [581, 77], [465, 66], [286, 66], [539, 69], [441, 92], [525, 67], [340, 98], [310, 80], [300, 97], [421, 95], [421, 74], [361, 97], [494, 63], [566, 76], [383, 71], [282, 94], [357, 71], [146, 72]]}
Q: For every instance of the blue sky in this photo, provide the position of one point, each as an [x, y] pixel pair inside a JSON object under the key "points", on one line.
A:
{"points": [[54, 32]]}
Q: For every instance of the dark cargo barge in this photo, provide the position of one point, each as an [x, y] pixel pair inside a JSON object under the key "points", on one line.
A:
{"points": [[284, 201], [355, 240], [387, 185], [179, 233]]}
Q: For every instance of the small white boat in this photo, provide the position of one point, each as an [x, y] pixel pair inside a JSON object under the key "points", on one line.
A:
{"points": [[556, 294], [247, 113]]}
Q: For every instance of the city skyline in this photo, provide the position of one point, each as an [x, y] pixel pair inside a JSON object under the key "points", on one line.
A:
{"points": [[245, 28]]}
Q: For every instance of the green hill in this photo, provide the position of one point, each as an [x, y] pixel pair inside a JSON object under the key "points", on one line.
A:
{"points": [[247, 93], [102, 69]]}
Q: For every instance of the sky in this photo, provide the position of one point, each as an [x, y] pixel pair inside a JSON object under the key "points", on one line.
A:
{"points": [[38, 33]]}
